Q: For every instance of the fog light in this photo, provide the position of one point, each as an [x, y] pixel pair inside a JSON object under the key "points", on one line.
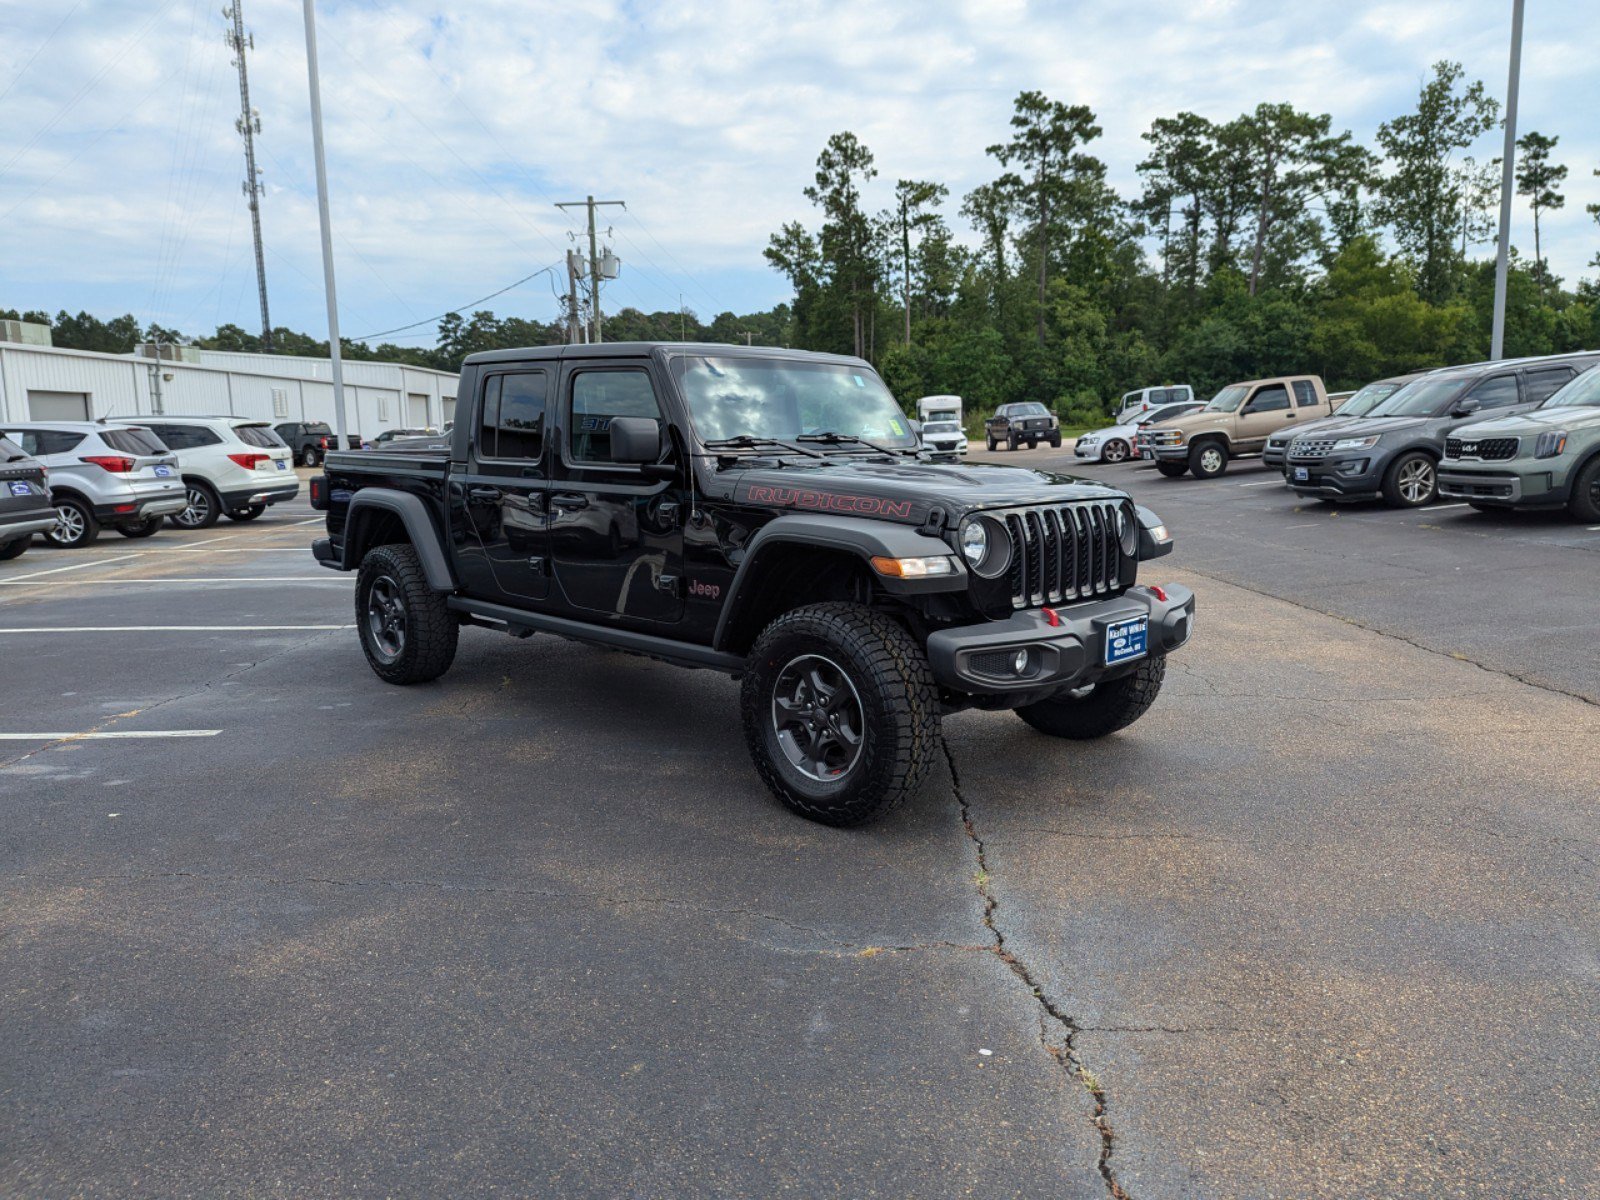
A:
{"points": [[1021, 662]]}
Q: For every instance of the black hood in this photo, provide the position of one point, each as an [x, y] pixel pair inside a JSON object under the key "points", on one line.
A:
{"points": [[903, 491]]}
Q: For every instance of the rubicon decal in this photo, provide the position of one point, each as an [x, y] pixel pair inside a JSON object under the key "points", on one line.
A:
{"points": [[829, 502]]}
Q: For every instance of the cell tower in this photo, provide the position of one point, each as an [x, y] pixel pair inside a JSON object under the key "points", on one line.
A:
{"points": [[248, 125]]}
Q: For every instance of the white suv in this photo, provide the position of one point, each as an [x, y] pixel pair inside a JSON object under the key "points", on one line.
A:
{"points": [[230, 465], [102, 473]]}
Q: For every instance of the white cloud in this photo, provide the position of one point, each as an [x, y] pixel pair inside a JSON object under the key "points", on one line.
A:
{"points": [[453, 130]]}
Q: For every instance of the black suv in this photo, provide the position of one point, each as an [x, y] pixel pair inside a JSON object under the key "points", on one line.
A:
{"points": [[1029, 422], [767, 514], [25, 507], [311, 440], [1392, 454]]}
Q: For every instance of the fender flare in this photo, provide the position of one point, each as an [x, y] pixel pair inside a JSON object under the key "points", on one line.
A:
{"points": [[413, 514], [861, 536]]}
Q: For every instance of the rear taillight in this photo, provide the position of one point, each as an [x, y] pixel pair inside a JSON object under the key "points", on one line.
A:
{"points": [[319, 492], [249, 461], [110, 462], [323, 442]]}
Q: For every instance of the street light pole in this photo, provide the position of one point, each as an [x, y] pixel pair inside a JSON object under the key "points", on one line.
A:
{"points": [[1497, 336], [327, 228]]}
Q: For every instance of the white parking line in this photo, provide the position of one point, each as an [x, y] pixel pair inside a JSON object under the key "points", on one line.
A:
{"points": [[165, 628], [1266, 483], [242, 550], [1442, 507], [108, 734], [313, 521], [75, 566], [331, 577]]}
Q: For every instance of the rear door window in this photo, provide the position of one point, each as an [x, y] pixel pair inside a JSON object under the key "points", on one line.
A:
{"points": [[1540, 385], [40, 442], [184, 437], [513, 415], [1305, 394]]}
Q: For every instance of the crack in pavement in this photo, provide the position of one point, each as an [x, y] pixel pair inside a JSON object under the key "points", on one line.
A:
{"points": [[1065, 1051]]}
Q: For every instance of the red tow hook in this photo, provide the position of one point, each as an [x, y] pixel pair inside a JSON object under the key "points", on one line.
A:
{"points": [[1159, 592], [1052, 618]]}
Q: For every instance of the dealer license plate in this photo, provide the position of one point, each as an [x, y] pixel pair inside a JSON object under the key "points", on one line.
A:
{"points": [[1127, 640], [164, 472], [283, 464], [22, 489], [1302, 473]]}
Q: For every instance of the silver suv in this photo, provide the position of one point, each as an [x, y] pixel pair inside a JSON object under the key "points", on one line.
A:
{"points": [[231, 465], [102, 473]]}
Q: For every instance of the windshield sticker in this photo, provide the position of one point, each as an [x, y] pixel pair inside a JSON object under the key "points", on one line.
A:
{"points": [[860, 382], [895, 427]]}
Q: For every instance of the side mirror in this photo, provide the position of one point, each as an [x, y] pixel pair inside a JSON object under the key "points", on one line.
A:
{"points": [[635, 440], [1465, 408]]}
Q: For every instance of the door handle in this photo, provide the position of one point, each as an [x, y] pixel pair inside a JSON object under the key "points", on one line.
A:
{"points": [[483, 493], [572, 501]]}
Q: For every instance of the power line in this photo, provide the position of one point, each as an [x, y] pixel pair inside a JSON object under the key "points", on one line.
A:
{"points": [[39, 49], [460, 307]]}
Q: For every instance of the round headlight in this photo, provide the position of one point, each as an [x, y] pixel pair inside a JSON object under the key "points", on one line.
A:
{"points": [[1128, 531], [974, 541]]}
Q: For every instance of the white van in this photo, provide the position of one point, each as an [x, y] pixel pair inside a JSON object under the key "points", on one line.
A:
{"points": [[1144, 399]]}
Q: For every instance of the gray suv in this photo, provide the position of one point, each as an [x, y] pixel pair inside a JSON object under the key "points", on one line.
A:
{"points": [[24, 500], [1392, 454], [102, 473]]}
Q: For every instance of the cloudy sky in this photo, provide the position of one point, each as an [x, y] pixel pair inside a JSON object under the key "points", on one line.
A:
{"points": [[453, 129]]}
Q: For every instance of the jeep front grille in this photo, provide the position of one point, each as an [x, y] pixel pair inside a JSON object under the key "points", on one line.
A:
{"points": [[1485, 449], [1070, 552]]}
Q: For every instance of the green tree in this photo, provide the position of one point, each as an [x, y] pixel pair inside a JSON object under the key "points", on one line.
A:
{"points": [[1421, 197], [847, 244], [914, 202], [1539, 180]]}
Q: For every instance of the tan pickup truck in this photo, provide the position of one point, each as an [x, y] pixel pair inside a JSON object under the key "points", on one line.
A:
{"points": [[1237, 423]]}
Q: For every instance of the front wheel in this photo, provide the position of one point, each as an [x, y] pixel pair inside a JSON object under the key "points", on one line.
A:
{"points": [[1208, 460], [1085, 713], [75, 524], [1011, 443], [1115, 451], [1411, 482], [840, 712], [1585, 501], [248, 513], [1055, 441], [990, 443], [407, 631], [140, 529], [1172, 470], [15, 549]]}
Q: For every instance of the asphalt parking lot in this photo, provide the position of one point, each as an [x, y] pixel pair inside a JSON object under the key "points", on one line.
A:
{"points": [[1323, 924]]}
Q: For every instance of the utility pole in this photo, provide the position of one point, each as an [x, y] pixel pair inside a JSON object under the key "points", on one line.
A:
{"points": [[248, 125], [595, 275], [1497, 334], [574, 270], [327, 228]]}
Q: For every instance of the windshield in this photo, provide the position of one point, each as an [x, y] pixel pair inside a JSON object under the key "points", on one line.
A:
{"points": [[1029, 410], [1582, 392], [1422, 398], [941, 427], [1229, 398], [1368, 398], [782, 398]]}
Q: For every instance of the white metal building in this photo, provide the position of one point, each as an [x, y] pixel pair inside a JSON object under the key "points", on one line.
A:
{"points": [[49, 383]]}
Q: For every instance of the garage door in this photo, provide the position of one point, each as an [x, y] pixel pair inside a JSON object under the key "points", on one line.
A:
{"points": [[417, 410], [58, 406], [449, 409]]}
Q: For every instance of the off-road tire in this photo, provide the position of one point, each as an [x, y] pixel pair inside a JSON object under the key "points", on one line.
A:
{"points": [[1115, 451], [203, 502], [1395, 489], [1208, 459], [141, 529], [1106, 708], [1585, 501], [15, 549], [898, 699], [1172, 470], [427, 644], [85, 528], [248, 513]]}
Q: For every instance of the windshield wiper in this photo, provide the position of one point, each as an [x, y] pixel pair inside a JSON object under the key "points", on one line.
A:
{"points": [[746, 442], [831, 438]]}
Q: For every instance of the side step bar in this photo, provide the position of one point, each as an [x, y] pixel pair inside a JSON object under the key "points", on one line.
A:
{"points": [[515, 620]]}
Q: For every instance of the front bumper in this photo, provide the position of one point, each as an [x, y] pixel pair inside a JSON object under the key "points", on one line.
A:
{"points": [[1275, 456], [1536, 488], [1347, 477], [1178, 453], [1079, 450], [974, 659]]}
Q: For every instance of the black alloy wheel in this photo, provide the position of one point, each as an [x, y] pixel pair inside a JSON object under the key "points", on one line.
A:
{"points": [[817, 717]]}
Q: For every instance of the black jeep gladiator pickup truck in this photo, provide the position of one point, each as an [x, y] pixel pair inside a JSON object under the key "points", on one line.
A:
{"points": [[765, 513]]}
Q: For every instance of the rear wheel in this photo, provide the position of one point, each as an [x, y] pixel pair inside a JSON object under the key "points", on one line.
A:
{"points": [[1093, 711], [1208, 459], [75, 524], [203, 507], [1172, 470], [248, 513], [1115, 451], [1585, 501], [15, 549], [407, 632], [840, 712], [309, 457], [1411, 481], [140, 529]]}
